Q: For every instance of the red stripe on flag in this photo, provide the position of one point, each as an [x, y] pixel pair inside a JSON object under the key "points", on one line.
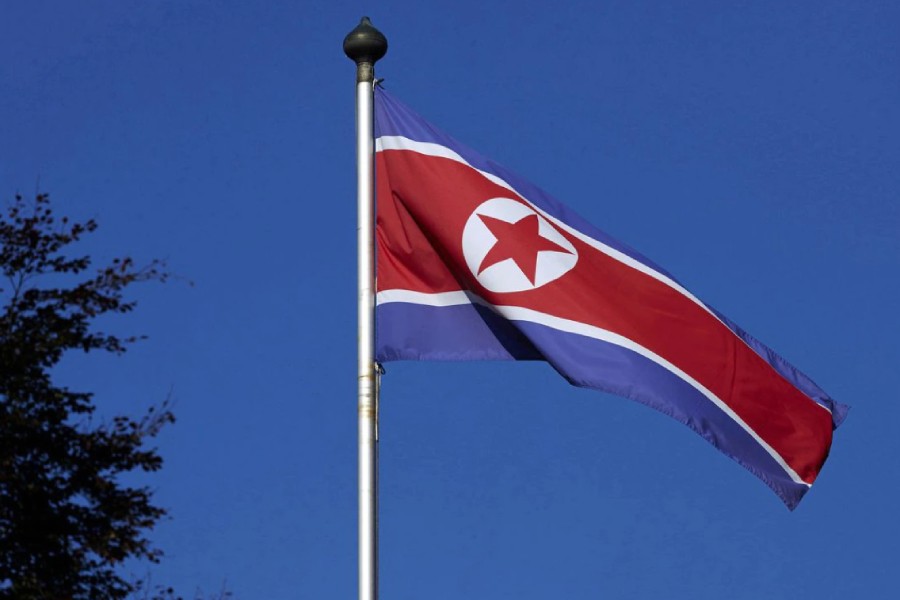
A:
{"points": [[424, 203]]}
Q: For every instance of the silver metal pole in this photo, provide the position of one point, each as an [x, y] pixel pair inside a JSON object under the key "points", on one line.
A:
{"points": [[368, 402], [365, 45]]}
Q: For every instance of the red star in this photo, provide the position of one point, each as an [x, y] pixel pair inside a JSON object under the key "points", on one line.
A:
{"points": [[519, 241]]}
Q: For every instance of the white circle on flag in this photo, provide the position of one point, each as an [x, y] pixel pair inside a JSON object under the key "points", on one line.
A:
{"points": [[556, 256]]}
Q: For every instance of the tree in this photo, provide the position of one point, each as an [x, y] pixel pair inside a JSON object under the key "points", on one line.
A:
{"points": [[66, 520]]}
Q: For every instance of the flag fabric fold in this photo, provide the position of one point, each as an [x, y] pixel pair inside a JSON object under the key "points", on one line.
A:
{"points": [[475, 263]]}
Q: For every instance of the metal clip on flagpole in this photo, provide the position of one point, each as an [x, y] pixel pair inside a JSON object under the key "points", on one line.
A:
{"points": [[365, 45]]}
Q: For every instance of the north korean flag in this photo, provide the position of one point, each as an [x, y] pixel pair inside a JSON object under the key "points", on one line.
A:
{"points": [[475, 263]]}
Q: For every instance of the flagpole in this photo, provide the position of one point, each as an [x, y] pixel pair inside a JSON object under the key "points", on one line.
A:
{"points": [[365, 45]]}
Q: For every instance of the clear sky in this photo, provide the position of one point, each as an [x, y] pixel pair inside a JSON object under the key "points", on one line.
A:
{"points": [[751, 149]]}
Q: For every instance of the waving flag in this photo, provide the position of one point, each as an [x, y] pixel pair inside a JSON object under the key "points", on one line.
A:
{"points": [[475, 263]]}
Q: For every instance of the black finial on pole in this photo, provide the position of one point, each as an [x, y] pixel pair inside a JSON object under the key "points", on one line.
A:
{"points": [[365, 45]]}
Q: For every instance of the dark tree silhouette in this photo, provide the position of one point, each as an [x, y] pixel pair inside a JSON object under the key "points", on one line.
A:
{"points": [[67, 522]]}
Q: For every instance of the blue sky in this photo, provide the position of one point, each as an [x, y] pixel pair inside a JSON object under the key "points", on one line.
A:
{"points": [[749, 148]]}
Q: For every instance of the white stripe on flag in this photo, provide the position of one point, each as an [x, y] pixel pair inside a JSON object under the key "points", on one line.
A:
{"points": [[518, 313], [399, 142]]}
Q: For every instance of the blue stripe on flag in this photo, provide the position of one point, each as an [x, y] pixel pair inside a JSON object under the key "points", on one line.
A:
{"points": [[470, 332], [392, 118]]}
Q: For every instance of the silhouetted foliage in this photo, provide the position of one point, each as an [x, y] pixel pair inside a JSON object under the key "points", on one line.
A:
{"points": [[67, 522], [146, 590]]}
